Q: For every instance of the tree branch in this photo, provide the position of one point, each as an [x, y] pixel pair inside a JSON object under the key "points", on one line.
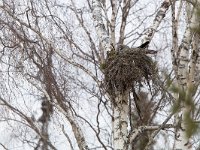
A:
{"points": [[100, 27], [148, 35]]}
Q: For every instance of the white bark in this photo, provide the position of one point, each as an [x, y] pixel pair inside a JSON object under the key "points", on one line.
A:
{"points": [[183, 58], [182, 142], [120, 121], [113, 21], [125, 12], [175, 21], [156, 22], [141, 129], [185, 79], [196, 52], [100, 27]]}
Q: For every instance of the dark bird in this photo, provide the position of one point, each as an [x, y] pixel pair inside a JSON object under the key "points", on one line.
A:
{"points": [[144, 45]]}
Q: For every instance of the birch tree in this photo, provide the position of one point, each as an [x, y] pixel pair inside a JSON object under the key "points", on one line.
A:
{"points": [[185, 67], [89, 74]]}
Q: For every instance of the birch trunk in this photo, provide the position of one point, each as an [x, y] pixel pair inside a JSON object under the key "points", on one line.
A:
{"points": [[120, 110], [185, 69], [100, 27], [120, 121]]}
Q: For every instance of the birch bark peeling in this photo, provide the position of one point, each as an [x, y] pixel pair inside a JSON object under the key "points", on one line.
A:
{"points": [[148, 35], [100, 27]]}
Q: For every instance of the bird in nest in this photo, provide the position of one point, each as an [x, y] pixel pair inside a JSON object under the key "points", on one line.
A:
{"points": [[124, 48]]}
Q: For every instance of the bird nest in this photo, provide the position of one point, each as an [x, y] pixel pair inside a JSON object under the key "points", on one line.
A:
{"points": [[123, 69]]}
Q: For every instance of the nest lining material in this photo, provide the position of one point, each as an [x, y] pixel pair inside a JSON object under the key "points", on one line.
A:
{"points": [[124, 69]]}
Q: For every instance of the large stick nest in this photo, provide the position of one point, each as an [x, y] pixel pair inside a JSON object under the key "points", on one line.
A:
{"points": [[123, 69]]}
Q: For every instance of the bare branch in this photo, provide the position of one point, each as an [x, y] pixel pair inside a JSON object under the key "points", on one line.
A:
{"points": [[148, 35]]}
